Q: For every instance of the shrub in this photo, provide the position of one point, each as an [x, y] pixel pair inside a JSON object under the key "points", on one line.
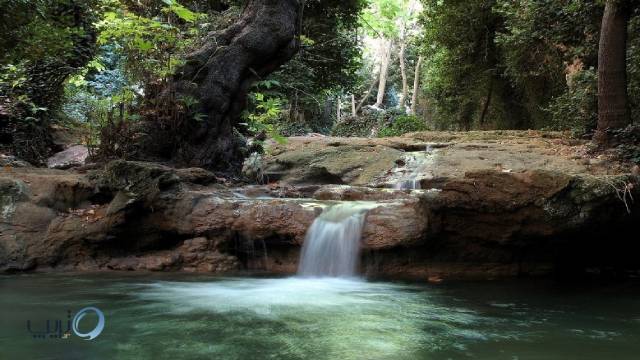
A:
{"points": [[401, 125], [577, 108]]}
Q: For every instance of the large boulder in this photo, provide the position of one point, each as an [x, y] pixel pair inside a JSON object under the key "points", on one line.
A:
{"points": [[73, 156]]}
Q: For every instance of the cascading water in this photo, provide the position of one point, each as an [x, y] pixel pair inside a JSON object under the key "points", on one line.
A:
{"points": [[410, 184], [332, 244], [416, 161]]}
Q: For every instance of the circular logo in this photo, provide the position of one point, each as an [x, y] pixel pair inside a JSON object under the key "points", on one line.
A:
{"points": [[96, 331]]}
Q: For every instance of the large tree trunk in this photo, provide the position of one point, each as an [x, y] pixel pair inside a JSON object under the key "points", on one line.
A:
{"points": [[613, 110], [220, 73], [384, 69], [416, 83]]}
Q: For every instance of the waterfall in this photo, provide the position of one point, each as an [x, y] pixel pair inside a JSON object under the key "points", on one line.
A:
{"points": [[332, 244], [410, 181]]}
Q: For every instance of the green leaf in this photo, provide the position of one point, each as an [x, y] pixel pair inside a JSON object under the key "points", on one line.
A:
{"points": [[143, 45], [183, 13], [275, 135]]}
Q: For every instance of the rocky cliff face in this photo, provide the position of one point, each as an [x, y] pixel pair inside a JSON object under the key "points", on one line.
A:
{"points": [[488, 208]]}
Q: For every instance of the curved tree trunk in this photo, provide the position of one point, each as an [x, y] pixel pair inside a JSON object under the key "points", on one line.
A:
{"points": [[365, 97], [613, 110], [219, 75]]}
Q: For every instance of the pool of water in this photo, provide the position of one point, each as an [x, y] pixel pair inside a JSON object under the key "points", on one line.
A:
{"points": [[172, 316]]}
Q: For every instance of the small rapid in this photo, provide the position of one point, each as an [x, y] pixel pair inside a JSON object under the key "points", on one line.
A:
{"points": [[415, 165]]}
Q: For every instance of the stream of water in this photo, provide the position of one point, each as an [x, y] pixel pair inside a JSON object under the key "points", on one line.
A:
{"points": [[187, 316]]}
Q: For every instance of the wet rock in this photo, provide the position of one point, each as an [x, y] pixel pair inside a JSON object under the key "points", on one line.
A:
{"points": [[356, 193], [318, 163], [197, 176], [476, 220]]}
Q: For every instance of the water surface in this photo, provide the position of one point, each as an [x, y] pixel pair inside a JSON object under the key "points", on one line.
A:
{"points": [[172, 316]]}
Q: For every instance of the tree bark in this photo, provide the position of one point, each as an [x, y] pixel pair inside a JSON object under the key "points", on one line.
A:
{"points": [[416, 83], [384, 69], [403, 73], [485, 107], [613, 109], [353, 105], [219, 75]]}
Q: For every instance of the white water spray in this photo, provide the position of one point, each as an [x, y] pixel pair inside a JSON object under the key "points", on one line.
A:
{"points": [[332, 244]]}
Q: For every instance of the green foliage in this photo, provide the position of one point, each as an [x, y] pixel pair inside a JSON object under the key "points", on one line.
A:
{"points": [[326, 65], [633, 66], [265, 110], [154, 46], [628, 143], [380, 18], [140, 47], [181, 11], [356, 126], [13, 87], [34, 30], [540, 42], [461, 63], [43, 42], [401, 125], [576, 108], [530, 63]]}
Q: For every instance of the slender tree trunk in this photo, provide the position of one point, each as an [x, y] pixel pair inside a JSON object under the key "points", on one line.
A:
{"points": [[403, 73], [327, 118], [384, 69], [219, 75], [416, 84], [353, 105], [613, 109], [338, 106], [487, 102]]}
